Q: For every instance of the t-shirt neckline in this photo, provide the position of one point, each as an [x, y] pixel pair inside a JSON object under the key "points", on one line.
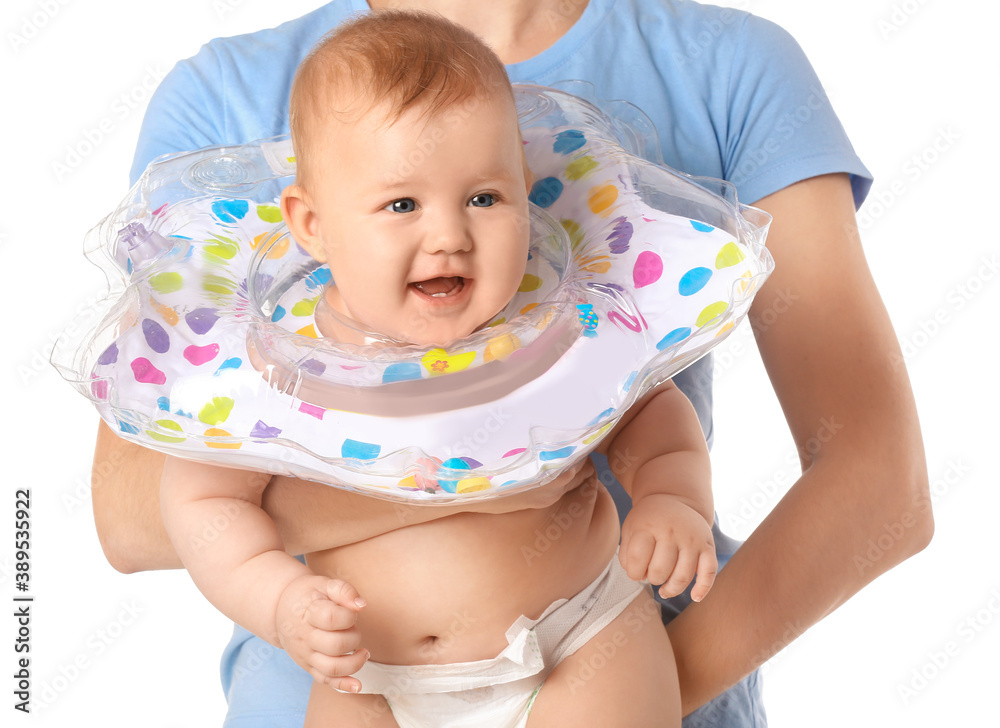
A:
{"points": [[558, 52]]}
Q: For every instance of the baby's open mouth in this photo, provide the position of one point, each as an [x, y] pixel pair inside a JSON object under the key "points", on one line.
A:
{"points": [[440, 287]]}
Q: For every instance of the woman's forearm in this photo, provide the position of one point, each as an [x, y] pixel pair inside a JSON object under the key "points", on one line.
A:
{"points": [[125, 484], [806, 559], [827, 342], [304, 510]]}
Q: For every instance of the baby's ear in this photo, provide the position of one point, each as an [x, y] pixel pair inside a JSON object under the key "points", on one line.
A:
{"points": [[303, 224]]}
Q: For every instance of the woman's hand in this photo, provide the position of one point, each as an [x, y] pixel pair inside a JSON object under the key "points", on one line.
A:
{"points": [[542, 496]]}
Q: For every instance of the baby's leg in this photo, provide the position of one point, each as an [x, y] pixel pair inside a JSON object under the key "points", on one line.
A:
{"points": [[331, 709], [625, 676]]}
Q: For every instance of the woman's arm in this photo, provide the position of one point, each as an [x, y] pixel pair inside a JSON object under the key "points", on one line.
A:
{"points": [[835, 364], [126, 481]]}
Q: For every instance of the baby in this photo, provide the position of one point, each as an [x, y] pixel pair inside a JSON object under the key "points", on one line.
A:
{"points": [[412, 185]]}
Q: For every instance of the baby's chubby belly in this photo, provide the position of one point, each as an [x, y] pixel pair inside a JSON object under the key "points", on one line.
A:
{"points": [[448, 590]]}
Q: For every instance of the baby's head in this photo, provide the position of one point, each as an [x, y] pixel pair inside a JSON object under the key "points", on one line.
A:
{"points": [[411, 180]]}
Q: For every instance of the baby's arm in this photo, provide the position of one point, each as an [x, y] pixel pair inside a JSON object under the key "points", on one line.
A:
{"points": [[660, 457], [235, 556]]}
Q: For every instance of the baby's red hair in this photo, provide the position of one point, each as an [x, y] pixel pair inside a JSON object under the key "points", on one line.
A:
{"points": [[400, 58]]}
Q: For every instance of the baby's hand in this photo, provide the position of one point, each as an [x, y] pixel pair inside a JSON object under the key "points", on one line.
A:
{"points": [[665, 541], [316, 623]]}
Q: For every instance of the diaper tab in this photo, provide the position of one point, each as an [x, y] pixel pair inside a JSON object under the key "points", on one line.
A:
{"points": [[521, 659]]}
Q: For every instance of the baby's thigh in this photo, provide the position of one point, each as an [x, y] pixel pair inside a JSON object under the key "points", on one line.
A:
{"points": [[625, 676], [327, 708]]}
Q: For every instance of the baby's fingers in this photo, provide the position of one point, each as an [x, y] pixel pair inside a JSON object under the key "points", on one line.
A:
{"points": [[635, 555], [334, 643], [337, 671], [708, 567], [344, 594], [675, 580], [330, 616]]}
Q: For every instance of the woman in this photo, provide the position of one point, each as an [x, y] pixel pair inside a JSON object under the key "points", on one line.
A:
{"points": [[732, 96]]}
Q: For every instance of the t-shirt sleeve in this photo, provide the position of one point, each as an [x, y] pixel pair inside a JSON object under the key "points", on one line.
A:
{"points": [[782, 127], [187, 111]]}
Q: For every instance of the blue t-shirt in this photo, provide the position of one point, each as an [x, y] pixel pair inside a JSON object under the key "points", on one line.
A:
{"points": [[731, 95]]}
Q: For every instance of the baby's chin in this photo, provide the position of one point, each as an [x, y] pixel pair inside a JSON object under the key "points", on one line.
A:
{"points": [[444, 335], [335, 321], [441, 338]]}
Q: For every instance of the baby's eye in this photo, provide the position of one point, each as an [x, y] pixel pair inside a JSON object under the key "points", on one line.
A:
{"points": [[483, 199], [404, 205]]}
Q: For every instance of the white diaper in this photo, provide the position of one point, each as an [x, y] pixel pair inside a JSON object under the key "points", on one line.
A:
{"points": [[499, 692]]}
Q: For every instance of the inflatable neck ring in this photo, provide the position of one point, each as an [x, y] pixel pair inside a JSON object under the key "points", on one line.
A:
{"points": [[208, 349]]}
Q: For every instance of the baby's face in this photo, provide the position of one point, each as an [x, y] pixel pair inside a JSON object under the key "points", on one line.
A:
{"points": [[424, 222]]}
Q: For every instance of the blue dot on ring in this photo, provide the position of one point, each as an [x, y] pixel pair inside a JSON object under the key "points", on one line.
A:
{"points": [[568, 141], [693, 281], [673, 337], [545, 191]]}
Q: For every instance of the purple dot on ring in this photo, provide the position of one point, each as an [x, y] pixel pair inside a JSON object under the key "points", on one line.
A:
{"points": [[264, 431], [314, 367], [201, 320], [110, 355], [156, 337]]}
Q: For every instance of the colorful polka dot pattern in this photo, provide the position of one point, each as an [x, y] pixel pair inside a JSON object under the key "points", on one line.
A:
{"points": [[619, 254], [648, 284]]}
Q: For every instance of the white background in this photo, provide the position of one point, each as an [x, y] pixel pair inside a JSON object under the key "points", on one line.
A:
{"points": [[909, 79]]}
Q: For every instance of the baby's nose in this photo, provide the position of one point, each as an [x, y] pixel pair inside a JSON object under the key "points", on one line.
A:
{"points": [[449, 233]]}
